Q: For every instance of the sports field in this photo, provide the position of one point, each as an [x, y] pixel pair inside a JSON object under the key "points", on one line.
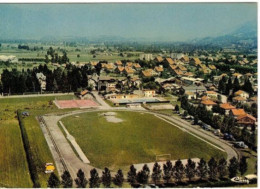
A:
{"points": [[138, 138]]}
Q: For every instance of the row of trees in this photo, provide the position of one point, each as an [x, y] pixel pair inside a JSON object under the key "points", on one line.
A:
{"points": [[68, 79], [53, 56], [212, 170], [226, 86]]}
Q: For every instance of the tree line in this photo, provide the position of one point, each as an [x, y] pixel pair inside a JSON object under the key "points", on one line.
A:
{"points": [[212, 170], [71, 78]]}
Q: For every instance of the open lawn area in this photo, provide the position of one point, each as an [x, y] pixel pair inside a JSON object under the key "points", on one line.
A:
{"points": [[137, 139], [14, 170]]}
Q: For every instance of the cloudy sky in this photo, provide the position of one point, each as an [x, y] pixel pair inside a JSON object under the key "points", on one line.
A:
{"points": [[171, 21]]}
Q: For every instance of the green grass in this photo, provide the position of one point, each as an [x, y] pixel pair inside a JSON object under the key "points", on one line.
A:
{"points": [[14, 170], [135, 140]]}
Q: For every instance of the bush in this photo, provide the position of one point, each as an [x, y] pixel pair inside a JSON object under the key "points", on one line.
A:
{"points": [[29, 155]]}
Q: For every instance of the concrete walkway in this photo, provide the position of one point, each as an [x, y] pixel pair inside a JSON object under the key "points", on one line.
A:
{"points": [[75, 144]]}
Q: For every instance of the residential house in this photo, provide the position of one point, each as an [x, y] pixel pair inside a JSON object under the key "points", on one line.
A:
{"points": [[212, 67], [212, 95], [208, 104], [118, 63], [246, 120], [237, 112], [149, 93], [195, 62], [42, 80], [169, 61], [239, 99], [147, 57], [136, 66], [128, 71], [158, 69], [194, 88], [120, 69], [185, 59], [190, 95], [148, 73], [242, 93], [226, 107], [176, 72], [159, 59], [177, 55]]}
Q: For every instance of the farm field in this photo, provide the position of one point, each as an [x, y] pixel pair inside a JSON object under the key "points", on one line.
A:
{"points": [[13, 164], [137, 139]]}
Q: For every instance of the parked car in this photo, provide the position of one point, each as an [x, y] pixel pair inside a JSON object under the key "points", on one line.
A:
{"points": [[25, 113], [217, 132], [240, 180], [228, 136], [206, 127], [240, 144]]}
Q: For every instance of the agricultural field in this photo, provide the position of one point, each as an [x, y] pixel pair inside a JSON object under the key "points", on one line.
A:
{"points": [[13, 164], [138, 138]]}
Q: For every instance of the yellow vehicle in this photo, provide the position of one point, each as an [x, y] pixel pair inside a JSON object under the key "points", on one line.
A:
{"points": [[49, 168]]}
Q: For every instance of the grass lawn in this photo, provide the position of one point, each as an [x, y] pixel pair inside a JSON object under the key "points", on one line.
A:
{"points": [[14, 170], [138, 139]]}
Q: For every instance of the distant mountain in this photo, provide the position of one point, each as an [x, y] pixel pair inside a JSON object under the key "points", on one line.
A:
{"points": [[244, 35]]}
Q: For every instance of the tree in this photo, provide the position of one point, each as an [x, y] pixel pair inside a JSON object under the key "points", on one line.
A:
{"points": [[233, 167], [178, 170], [157, 172], [229, 86], [222, 168], [94, 179], [222, 85], [143, 175], [106, 178], [81, 181], [53, 181], [66, 180], [119, 179], [167, 171], [236, 85], [202, 169], [243, 165], [177, 108], [190, 169], [213, 168], [248, 87], [131, 175]]}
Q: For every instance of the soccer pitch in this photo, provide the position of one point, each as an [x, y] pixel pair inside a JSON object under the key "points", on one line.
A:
{"points": [[133, 137]]}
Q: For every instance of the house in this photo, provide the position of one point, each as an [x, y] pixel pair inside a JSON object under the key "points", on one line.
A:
{"points": [[120, 96], [237, 112], [128, 70], [190, 95], [42, 80], [106, 83], [170, 61], [93, 64], [242, 93], [239, 99], [158, 69], [148, 73], [212, 67], [208, 104], [246, 120], [176, 72], [226, 107], [212, 94], [118, 63], [238, 76], [185, 59], [176, 55], [136, 66], [149, 93], [129, 64], [119, 69], [195, 62], [109, 67], [159, 59], [188, 74]]}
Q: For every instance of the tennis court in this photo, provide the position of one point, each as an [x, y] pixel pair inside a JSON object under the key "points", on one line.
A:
{"points": [[61, 104]]}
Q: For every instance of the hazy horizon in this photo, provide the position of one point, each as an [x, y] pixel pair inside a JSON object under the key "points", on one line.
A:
{"points": [[157, 21]]}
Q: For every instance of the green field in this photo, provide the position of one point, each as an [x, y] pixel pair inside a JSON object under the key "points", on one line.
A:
{"points": [[138, 139], [14, 170]]}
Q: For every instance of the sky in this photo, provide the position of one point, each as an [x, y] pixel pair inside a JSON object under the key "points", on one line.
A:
{"points": [[161, 21]]}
